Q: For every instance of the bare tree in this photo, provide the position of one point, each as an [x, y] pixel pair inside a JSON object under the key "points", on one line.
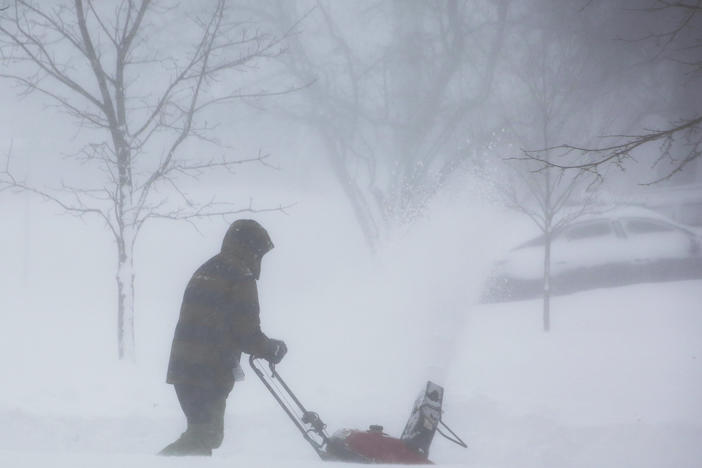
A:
{"points": [[674, 33], [140, 101], [394, 83], [552, 98]]}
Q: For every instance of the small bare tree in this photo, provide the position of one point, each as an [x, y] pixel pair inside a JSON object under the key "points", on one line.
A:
{"points": [[552, 97], [140, 100]]}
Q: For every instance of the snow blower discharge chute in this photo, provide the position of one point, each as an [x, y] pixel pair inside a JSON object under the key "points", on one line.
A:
{"points": [[353, 445]]}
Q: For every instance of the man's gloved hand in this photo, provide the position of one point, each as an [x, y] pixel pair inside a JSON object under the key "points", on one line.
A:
{"points": [[276, 351]]}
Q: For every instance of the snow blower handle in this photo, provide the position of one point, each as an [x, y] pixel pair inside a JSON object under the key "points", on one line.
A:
{"points": [[308, 422], [313, 419]]}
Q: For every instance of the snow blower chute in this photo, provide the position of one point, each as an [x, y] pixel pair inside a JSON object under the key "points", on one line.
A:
{"points": [[373, 445]]}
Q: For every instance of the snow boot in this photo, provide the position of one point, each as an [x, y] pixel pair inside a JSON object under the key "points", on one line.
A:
{"points": [[195, 441]]}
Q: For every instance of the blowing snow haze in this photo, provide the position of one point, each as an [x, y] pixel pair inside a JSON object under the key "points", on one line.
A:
{"points": [[502, 197]]}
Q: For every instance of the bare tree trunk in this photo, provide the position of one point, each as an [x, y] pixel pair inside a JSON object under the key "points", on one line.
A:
{"points": [[547, 281], [361, 207], [125, 299], [548, 228], [126, 235]]}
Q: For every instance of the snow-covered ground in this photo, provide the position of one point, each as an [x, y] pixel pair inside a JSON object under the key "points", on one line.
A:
{"points": [[616, 383]]}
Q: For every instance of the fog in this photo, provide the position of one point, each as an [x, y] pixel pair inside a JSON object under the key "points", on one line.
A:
{"points": [[502, 197]]}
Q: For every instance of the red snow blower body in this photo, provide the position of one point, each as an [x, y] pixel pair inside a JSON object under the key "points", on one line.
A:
{"points": [[372, 445]]}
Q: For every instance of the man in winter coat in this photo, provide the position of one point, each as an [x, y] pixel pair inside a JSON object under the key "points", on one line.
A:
{"points": [[219, 319]]}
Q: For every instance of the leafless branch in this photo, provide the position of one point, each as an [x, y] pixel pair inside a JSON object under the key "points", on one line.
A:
{"points": [[669, 36], [8, 181], [688, 130], [36, 52]]}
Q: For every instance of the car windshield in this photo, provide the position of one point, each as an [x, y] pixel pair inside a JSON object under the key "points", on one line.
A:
{"points": [[645, 226], [588, 230], [584, 230]]}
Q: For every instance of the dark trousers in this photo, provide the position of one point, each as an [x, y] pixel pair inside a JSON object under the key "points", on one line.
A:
{"points": [[204, 411]]}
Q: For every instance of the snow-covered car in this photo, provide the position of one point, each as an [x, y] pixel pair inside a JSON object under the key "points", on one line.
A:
{"points": [[615, 247]]}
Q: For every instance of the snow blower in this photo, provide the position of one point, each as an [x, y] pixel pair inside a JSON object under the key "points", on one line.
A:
{"points": [[372, 445]]}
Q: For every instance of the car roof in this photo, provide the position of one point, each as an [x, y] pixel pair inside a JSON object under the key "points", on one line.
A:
{"points": [[632, 211], [628, 211]]}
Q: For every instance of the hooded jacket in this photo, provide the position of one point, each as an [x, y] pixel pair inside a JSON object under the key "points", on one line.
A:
{"points": [[219, 318]]}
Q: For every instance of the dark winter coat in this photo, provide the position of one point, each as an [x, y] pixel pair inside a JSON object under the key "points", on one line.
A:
{"points": [[219, 319]]}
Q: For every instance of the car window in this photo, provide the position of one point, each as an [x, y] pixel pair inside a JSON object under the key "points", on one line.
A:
{"points": [[645, 226], [588, 230]]}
